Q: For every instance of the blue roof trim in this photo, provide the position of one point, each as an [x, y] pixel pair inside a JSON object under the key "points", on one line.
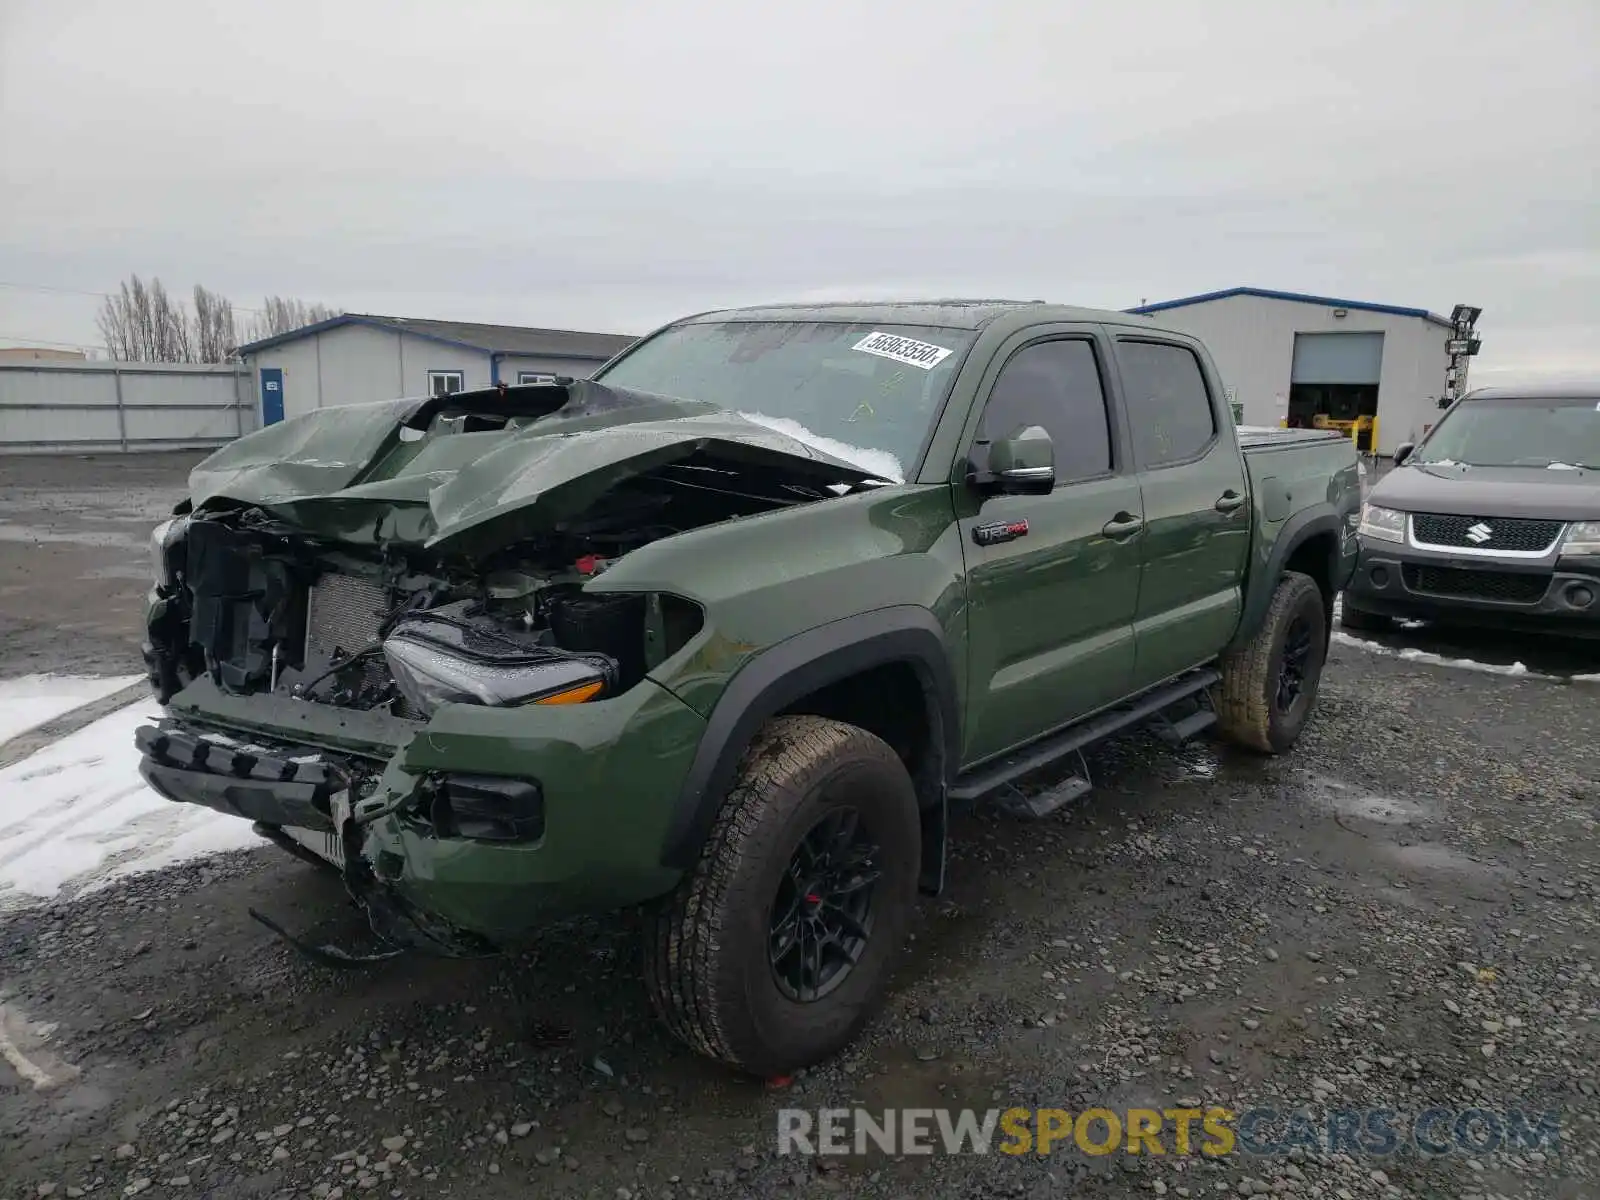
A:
{"points": [[1393, 310], [357, 319]]}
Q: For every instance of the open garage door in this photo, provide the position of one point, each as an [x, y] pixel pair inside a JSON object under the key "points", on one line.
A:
{"points": [[1335, 378]]}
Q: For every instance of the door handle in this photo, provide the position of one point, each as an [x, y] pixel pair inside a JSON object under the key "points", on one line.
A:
{"points": [[1123, 525], [1229, 501]]}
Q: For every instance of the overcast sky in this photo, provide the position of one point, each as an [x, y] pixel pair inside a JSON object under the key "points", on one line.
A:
{"points": [[615, 163]]}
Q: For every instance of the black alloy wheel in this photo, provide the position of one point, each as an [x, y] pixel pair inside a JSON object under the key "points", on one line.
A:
{"points": [[1292, 664], [821, 919]]}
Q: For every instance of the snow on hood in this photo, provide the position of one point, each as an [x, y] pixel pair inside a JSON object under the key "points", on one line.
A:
{"points": [[880, 462]]}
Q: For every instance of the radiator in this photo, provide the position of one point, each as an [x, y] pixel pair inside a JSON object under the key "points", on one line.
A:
{"points": [[343, 612]]}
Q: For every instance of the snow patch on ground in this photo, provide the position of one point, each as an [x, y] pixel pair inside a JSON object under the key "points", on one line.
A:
{"points": [[1439, 660], [880, 462], [76, 815], [30, 700]]}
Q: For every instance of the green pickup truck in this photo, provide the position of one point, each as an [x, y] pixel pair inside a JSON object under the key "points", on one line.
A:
{"points": [[728, 629]]}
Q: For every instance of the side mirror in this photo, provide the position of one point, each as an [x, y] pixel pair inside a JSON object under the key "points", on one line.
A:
{"points": [[1403, 452], [1023, 464]]}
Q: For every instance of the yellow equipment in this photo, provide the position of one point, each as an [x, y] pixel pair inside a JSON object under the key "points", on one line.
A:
{"points": [[1363, 431]]}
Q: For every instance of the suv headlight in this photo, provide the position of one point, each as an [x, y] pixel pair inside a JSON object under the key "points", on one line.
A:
{"points": [[163, 538], [1385, 524], [1583, 537]]}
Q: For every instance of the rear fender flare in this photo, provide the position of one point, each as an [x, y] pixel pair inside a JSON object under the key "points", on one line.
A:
{"points": [[1308, 523], [795, 668]]}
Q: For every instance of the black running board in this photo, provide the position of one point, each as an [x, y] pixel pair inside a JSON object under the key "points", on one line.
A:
{"points": [[1035, 806], [1052, 748]]}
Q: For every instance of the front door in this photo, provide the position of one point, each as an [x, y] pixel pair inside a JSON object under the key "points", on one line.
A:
{"points": [[271, 395], [1197, 516], [1050, 608]]}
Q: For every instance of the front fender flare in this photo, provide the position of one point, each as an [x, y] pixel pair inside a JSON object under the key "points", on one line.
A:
{"points": [[792, 669]]}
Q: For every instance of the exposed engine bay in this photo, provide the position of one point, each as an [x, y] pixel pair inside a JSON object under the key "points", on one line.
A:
{"points": [[258, 607]]}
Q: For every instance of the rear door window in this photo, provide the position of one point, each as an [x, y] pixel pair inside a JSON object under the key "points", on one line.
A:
{"points": [[1170, 415]]}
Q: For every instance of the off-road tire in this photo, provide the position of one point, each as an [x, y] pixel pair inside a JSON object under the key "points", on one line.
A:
{"points": [[1246, 700], [707, 962], [1360, 620]]}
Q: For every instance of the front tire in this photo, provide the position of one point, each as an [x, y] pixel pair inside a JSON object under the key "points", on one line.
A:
{"points": [[772, 955], [1269, 685]]}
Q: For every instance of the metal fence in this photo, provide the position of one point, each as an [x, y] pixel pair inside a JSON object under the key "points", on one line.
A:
{"points": [[51, 407]]}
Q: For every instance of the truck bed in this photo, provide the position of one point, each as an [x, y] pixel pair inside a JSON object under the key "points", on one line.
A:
{"points": [[1266, 437]]}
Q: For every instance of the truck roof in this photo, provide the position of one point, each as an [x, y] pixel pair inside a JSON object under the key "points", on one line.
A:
{"points": [[948, 314]]}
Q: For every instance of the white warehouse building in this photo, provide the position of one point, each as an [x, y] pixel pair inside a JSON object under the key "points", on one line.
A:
{"points": [[1285, 358], [358, 356]]}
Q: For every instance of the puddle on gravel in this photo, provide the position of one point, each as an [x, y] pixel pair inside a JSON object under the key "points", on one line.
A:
{"points": [[1200, 763], [1432, 856], [1351, 801]]}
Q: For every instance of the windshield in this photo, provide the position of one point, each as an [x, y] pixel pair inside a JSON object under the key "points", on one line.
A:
{"points": [[1517, 433], [863, 393]]}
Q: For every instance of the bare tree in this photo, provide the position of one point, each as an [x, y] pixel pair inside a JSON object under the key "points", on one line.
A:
{"points": [[144, 323], [174, 341], [280, 314], [124, 321], [213, 326]]}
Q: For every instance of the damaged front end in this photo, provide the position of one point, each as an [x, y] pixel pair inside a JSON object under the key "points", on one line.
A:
{"points": [[417, 672]]}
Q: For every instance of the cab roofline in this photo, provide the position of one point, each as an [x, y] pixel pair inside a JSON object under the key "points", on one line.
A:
{"points": [[971, 314]]}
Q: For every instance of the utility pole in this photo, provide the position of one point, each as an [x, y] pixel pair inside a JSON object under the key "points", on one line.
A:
{"points": [[1463, 344]]}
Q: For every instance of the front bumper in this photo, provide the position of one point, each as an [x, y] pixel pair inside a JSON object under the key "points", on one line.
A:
{"points": [[608, 775], [1394, 579]]}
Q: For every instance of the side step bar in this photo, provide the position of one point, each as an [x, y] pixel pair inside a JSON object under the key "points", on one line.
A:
{"points": [[982, 780]]}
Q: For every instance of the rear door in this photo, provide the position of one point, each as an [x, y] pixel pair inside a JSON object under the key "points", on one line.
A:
{"points": [[1051, 609], [1196, 509]]}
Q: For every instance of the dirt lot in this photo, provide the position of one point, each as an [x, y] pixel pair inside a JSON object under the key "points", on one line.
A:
{"points": [[74, 557], [1401, 914]]}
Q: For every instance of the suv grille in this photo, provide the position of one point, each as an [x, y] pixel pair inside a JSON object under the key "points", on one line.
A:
{"points": [[1502, 587], [1468, 533]]}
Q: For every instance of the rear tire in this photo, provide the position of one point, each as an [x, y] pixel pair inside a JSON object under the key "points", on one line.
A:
{"points": [[1269, 685], [712, 961], [1360, 620]]}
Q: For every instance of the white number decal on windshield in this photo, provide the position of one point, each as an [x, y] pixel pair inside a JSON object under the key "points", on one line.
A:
{"points": [[903, 349]]}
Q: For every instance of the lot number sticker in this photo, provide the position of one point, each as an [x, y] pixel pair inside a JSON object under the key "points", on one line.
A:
{"points": [[903, 349]]}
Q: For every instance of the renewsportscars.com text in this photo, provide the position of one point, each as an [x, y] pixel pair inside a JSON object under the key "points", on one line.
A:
{"points": [[1212, 1132]]}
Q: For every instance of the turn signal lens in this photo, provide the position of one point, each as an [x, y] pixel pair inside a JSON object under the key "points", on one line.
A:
{"points": [[575, 695]]}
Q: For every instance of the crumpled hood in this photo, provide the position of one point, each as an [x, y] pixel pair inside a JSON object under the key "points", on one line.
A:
{"points": [[1533, 492], [376, 473]]}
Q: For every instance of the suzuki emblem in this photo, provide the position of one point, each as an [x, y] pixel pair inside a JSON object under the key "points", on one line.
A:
{"points": [[1479, 533]]}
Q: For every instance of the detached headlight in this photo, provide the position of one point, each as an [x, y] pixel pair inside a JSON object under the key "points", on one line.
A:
{"points": [[1583, 537], [163, 538], [438, 661], [1385, 524]]}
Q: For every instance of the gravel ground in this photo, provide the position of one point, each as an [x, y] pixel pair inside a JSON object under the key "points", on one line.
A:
{"points": [[1400, 914]]}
